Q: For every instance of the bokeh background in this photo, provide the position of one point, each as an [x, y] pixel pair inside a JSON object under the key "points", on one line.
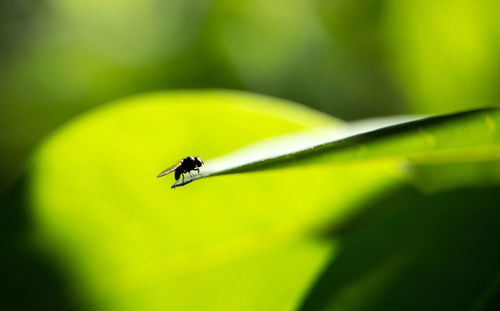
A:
{"points": [[351, 59]]}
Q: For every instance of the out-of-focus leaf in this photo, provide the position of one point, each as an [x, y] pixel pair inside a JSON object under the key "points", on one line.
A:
{"points": [[254, 241], [242, 242], [469, 136]]}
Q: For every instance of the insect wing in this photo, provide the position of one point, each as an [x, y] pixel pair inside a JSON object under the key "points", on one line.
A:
{"points": [[169, 170]]}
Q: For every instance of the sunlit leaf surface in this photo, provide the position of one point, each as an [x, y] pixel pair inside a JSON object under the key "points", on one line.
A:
{"points": [[383, 214], [241, 242]]}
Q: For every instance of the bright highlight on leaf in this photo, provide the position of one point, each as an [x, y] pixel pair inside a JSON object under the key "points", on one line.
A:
{"points": [[405, 137]]}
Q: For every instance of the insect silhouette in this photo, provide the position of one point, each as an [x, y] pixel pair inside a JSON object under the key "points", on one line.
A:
{"points": [[186, 165]]}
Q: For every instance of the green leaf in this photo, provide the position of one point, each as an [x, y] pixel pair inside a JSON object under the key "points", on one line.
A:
{"points": [[257, 241], [470, 135], [245, 242]]}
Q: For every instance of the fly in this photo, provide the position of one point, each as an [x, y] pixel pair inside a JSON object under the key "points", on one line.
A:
{"points": [[186, 165]]}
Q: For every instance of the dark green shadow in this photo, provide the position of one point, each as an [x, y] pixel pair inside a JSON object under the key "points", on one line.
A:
{"points": [[30, 280], [417, 252]]}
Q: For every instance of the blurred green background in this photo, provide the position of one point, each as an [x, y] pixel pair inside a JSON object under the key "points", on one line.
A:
{"points": [[348, 59]]}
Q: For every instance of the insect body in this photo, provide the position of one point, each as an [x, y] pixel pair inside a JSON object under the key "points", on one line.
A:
{"points": [[185, 166]]}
